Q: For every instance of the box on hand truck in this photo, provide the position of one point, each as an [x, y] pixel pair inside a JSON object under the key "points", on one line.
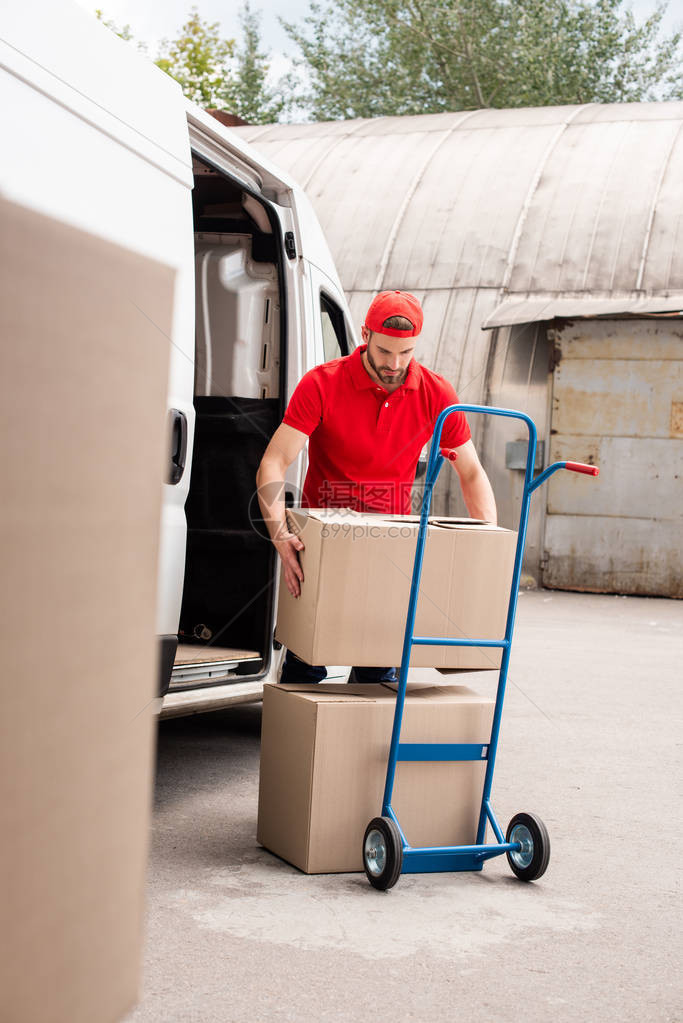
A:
{"points": [[386, 851]]}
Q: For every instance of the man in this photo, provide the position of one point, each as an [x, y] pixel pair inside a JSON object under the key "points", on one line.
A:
{"points": [[367, 416]]}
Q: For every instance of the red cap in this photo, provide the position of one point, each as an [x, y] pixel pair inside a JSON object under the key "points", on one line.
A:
{"points": [[394, 303]]}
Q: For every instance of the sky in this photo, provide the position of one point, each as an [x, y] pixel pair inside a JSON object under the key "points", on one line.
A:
{"points": [[152, 20]]}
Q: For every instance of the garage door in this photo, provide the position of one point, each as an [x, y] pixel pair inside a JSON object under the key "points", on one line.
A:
{"points": [[617, 403]]}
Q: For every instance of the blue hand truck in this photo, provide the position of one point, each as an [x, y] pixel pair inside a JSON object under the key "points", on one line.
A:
{"points": [[386, 851]]}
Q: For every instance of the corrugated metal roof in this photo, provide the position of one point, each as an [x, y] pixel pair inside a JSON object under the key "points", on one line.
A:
{"points": [[492, 213], [520, 309]]}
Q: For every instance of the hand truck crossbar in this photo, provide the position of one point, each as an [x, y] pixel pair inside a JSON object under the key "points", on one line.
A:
{"points": [[439, 641], [448, 751]]}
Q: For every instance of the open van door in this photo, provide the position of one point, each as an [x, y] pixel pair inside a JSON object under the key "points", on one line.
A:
{"points": [[252, 342]]}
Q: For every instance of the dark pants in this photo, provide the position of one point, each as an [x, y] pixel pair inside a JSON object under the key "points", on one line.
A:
{"points": [[295, 670]]}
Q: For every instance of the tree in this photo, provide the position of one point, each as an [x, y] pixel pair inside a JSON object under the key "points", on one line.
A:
{"points": [[199, 60], [123, 33], [253, 99], [363, 58], [214, 72]]}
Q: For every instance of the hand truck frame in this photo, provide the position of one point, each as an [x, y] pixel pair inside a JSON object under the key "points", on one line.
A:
{"points": [[386, 852]]}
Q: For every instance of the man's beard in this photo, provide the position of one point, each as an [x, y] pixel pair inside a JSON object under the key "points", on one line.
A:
{"points": [[397, 379]]}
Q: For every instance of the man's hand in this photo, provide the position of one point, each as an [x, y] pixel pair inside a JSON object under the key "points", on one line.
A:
{"points": [[287, 545], [285, 445]]}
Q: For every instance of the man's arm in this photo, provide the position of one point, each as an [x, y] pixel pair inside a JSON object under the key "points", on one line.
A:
{"points": [[474, 483], [285, 445]]}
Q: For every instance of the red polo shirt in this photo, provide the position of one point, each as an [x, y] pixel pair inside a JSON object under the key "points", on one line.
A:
{"points": [[365, 441]]}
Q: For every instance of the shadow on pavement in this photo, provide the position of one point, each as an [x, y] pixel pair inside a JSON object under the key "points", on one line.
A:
{"points": [[198, 753]]}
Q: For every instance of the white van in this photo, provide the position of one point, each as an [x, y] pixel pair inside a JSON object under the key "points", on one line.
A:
{"points": [[236, 275]]}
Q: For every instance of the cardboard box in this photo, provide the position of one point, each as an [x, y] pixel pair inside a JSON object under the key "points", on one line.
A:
{"points": [[324, 753], [357, 575]]}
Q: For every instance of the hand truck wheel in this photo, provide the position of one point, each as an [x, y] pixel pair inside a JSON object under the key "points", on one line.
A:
{"points": [[531, 861], [382, 853]]}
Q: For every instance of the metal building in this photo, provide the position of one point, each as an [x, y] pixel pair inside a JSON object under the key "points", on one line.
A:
{"points": [[546, 246]]}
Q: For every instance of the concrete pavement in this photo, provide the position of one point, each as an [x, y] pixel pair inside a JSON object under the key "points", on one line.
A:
{"points": [[590, 741]]}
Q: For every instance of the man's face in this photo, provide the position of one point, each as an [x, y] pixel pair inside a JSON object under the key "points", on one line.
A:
{"points": [[389, 357]]}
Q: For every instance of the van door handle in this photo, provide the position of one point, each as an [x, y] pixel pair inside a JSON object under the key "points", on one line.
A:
{"points": [[178, 445]]}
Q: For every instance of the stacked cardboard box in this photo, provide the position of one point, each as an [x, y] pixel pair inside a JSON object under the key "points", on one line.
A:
{"points": [[357, 575], [324, 753]]}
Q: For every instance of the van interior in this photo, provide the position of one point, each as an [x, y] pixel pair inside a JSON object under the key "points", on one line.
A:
{"points": [[226, 616]]}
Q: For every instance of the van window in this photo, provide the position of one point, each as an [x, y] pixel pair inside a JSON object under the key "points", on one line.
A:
{"points": [[334, 331]]}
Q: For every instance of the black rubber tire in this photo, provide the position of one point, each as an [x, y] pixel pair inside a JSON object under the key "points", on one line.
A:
{"points": [[540, 847], [388, 876]]}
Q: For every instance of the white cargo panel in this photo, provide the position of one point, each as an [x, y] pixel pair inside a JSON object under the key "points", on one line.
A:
{"points": [[238, 320]]}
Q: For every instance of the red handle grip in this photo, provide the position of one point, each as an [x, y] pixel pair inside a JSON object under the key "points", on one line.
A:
{"points": [[450, 453], [589, 470]]}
